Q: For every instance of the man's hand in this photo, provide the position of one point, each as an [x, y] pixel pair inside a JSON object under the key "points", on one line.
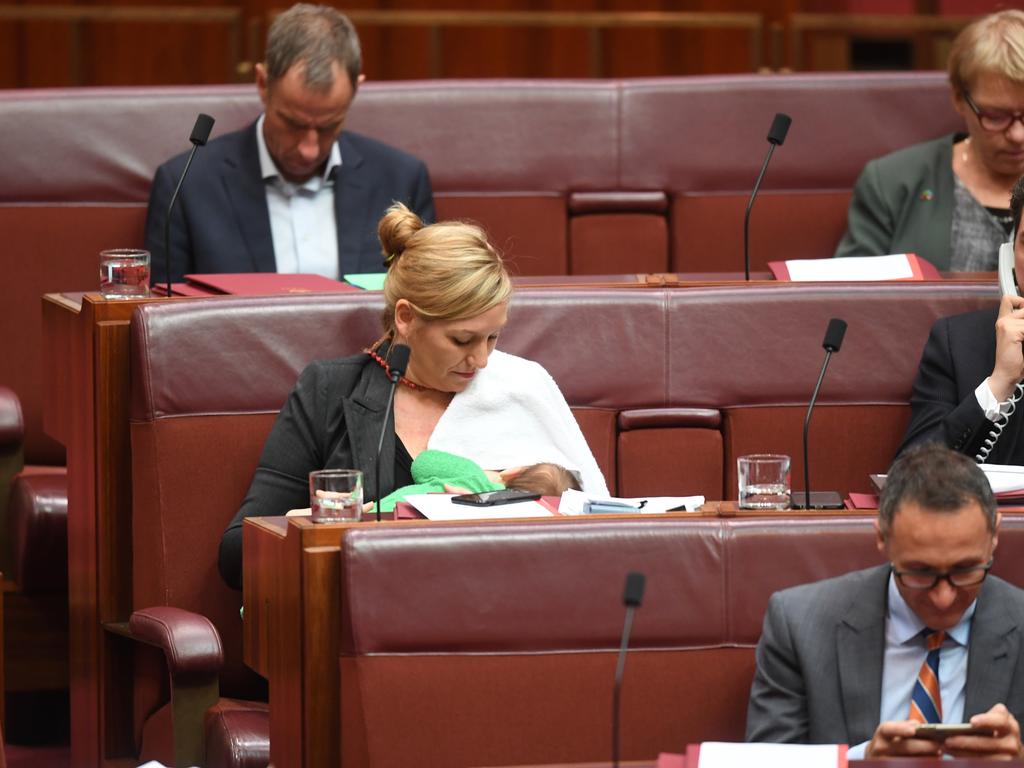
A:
{"points": [[896, 737], [1009, 368], [1004, 741]]}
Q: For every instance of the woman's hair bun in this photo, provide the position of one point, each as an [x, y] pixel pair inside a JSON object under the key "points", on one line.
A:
{"points": [[395, 230]]}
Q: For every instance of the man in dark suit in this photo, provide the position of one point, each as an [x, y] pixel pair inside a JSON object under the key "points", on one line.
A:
{"points": [[290, 193], [865, 658], [967, 384]]}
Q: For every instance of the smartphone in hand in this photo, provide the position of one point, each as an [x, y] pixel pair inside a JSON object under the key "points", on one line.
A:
{"points": [[940, 731], [494, 498]]}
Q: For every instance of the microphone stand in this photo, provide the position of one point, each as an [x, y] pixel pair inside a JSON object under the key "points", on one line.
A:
{"points": [[776, 135], [807, 426], [200, 134], [824, 499], [632, 597], [398, 355], [750, 205], [380, 445]]}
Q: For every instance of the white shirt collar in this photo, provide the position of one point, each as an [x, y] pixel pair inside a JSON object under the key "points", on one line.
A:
{"points": [[270, 172], [904, 624]]}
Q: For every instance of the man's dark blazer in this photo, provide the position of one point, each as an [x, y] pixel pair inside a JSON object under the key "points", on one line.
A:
{"points": [[819, 661], [221, 222], [959, 355]]}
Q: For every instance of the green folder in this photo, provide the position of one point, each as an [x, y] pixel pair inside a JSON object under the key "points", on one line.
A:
{"points": [[372, 281]]}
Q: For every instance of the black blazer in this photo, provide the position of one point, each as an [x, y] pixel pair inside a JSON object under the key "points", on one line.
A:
{"points": [[221, 222], [331, 420], [959, 355]]}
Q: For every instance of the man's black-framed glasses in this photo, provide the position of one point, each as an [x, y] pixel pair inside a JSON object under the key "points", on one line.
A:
{"points": [[965, 576], [993, 119]]}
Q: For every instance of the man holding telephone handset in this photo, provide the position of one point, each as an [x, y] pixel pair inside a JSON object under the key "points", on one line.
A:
{"points": [[969, 381], [878, 658]]}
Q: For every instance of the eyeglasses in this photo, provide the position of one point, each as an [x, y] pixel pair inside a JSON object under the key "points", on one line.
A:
{"points": [[993, 119], [967, 576]]}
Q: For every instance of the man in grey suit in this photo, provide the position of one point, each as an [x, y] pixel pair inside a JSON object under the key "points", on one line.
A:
{"points": [[292, 192], [864, 658]]}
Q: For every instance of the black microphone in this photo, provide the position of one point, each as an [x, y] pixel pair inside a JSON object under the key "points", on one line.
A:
{"points": [[200, 133], [398, 361], [632, 597], [823, 499], [776, 135]]}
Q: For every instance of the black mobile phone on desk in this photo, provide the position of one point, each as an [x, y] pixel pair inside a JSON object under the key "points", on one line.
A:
{"points": [[494, 498]]}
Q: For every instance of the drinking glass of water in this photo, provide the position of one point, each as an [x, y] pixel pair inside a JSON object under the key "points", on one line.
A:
{"points": [[124, 273], [763, 481], [336, 495]]}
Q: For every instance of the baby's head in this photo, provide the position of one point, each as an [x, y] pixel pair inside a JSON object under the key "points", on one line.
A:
{"points": [[546, 479]]}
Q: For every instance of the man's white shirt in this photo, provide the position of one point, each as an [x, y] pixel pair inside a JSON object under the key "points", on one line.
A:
{"points": [[302, 223]]}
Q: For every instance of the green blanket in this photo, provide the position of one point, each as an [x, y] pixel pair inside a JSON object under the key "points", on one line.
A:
{"points": [[432, 470]]}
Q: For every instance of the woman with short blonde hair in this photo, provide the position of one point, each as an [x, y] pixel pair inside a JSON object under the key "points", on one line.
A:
{"points": [[948, 199]]}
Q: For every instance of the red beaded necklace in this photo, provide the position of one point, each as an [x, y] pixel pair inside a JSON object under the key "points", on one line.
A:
{"points": [[372, 352]]}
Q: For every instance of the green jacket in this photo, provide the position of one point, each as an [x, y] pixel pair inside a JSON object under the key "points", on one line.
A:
{"points": [[903, 203]]}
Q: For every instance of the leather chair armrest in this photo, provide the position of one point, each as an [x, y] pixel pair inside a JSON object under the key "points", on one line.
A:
{"points": [[12, 422], [194, 654], [189, 641]]}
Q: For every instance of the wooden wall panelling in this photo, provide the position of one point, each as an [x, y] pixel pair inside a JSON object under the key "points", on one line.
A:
{"points": [[129, 44], [10, 54], [822, 41]]}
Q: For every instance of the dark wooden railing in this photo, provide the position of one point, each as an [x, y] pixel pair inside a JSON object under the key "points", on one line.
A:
{"points": [[597, 23]]}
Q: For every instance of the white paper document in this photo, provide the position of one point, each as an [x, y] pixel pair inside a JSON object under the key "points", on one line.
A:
{"points": [[439, 506], [573, 503], [894, 267], [1004, 478], [716, 754]]}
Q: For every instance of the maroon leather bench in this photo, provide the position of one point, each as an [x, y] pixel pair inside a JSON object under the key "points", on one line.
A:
{"points": [[569, 176], [668, 385], [480, 645], [614, 176]]}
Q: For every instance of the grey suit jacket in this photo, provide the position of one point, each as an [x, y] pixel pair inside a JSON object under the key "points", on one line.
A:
{"points": [[819, 661], [221, 222], [903, 203]]}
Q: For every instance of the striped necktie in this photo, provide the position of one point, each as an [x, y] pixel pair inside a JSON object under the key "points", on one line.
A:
{"points": [[926, 700]]}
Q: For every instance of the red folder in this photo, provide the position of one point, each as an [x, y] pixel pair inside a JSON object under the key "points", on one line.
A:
{"points": [[267, 283], [183, 289], [862, 501]]}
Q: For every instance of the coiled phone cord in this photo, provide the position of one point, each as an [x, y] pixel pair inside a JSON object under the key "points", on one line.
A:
{"points": [[1000, 424]]}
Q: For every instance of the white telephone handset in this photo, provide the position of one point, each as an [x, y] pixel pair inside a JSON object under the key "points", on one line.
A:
{"points": [[1007, 274], [1007, 285]]}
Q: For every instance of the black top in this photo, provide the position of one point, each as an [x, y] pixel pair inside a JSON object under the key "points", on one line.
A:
{"points": [[403, 466], [1004, 216]]}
